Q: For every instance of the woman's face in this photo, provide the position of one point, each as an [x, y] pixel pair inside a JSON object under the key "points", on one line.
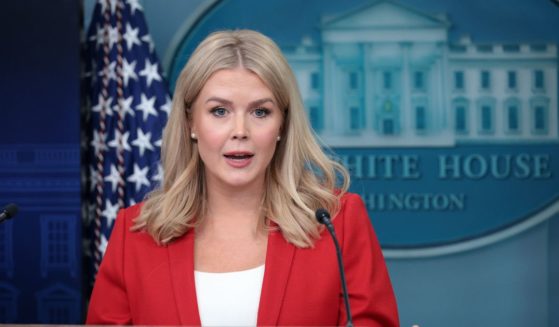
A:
{"points": [[237, 121]]}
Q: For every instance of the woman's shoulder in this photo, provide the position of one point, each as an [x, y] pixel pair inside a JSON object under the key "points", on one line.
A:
{"points": [[350, 197], [125, 222], [125, 229], [351, 201], [129, 214], [353, 208]]}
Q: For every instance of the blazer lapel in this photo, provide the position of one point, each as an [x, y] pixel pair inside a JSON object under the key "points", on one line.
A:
{"points": [[181, 262], [279, 257]]}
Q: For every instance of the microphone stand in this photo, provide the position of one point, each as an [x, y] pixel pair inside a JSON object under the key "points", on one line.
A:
{"points": [[323, 217]]}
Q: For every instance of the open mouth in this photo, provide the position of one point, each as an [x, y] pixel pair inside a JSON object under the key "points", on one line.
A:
{"points": [[238, 156]]}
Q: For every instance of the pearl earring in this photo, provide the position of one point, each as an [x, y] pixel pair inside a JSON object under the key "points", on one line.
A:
{"points": [[193, 136], [278, 138]]}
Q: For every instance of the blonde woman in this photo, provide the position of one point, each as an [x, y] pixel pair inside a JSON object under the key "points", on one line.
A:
{"points": [[230, 238]]}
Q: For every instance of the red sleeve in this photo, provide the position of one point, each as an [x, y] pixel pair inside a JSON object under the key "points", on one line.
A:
{"points": [[109, 300], [370, 292]]}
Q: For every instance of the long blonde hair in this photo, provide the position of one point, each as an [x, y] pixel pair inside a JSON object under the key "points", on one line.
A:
{"points": [[299, 179]]}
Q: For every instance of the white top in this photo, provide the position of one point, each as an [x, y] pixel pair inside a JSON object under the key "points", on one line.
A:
{"points": [[230, 298]]}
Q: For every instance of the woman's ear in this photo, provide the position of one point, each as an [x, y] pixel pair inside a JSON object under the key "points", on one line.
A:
{"points": [[192, 128]]}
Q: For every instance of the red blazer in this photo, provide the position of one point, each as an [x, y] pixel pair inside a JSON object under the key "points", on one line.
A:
{"points": [[142, 283]]}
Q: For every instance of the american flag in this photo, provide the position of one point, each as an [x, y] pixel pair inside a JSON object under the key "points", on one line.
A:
{"points": [[126, 108]]}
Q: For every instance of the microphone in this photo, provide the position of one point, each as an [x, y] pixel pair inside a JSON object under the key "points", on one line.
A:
{"points": [[8, 212], [323, 217]]}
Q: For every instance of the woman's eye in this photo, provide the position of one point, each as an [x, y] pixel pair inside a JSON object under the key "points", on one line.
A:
{"points": [[261, 112], [219, 111]]}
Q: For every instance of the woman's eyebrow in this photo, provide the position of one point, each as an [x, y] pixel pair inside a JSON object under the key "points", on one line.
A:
{"points": [[220, 100], [261, 102], [252, 104]]}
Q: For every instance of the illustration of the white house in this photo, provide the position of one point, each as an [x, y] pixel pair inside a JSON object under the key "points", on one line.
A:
{"points": [[387, 75]]}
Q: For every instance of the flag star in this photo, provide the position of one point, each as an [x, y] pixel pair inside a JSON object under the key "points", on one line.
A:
{"points": [[158, 143], [131, 36], [134, 5], [112, 4], [150, 72], [93, 177], [128, 71], [167, 106], [159, 176], [103, 245], [98, 36], [147, 38], [98, 142], [120, 141], [114, 178], [110, 71], [110, 212], [126, 106], [139, 177], [103, 105], [113, 36], [147, 106], [143, 141], [131, 202]]}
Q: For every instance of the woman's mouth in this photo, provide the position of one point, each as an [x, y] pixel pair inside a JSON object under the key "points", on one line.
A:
{"points": [[238, 159]]}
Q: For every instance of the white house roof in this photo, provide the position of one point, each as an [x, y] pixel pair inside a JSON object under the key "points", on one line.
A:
{"points": [[384, 14]]}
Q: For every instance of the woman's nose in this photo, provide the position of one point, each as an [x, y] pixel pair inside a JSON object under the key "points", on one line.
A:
{"points": [[240, 131]]}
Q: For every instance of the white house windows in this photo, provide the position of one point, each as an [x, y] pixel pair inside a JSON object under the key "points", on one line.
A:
{"points": [[460, 107], [461, 119], [354, 101], [486, 114], [57, 235], [421, 115], [387, 80], [486, 118], [539, 115], [388, 126], [389, 117], [539, 80], [511, 80], [353, 80], [356, 118], [540, 112], [512, 115], [418, 81], [458, 81], [315, 81], [58, 244], [315, 116], [369, 91], [420, 118], [485, 80]]}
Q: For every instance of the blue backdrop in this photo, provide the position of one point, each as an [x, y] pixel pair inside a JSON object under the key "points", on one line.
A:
{"points": [[40, 249]]}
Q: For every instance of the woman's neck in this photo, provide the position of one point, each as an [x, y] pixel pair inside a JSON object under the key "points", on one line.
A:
{"points": [[233, 213]]}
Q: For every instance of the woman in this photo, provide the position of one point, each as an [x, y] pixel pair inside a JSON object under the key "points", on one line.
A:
{"points": [[230, 238]]}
